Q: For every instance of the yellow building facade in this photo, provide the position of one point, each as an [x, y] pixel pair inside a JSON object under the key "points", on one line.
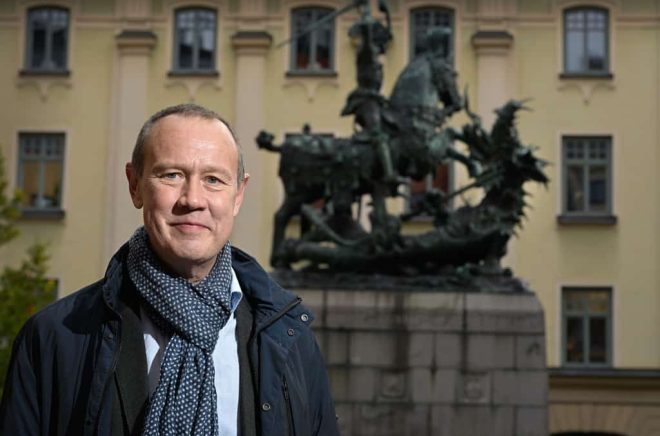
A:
{"points": [[79, 77]]}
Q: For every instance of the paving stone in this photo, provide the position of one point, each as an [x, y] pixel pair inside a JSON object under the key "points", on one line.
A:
{"points": [[530, 352]]}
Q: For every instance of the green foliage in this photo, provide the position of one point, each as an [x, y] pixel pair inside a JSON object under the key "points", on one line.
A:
{"points": [[23, 290]]}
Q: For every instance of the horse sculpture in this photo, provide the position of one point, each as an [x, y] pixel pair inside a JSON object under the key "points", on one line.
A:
{"points": [[341, 170]]}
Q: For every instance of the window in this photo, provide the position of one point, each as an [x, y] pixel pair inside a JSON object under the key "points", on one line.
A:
{"points": [[40, 172], [418, 189], [586, 41], [587, 168], [47, 40], [194, 40], [424, 19], [587, 326], [312, 52]]}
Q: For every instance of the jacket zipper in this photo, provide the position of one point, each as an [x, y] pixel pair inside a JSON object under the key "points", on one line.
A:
{"points": [[289, 412]]}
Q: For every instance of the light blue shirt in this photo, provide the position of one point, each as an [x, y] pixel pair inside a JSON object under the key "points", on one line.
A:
{"points": [[225, 362]]}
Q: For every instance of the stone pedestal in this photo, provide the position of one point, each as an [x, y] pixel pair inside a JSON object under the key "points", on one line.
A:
{"points": [[434, 363]]}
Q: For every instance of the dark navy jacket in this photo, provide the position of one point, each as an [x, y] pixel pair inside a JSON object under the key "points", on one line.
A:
{"points": [[63, 379]]}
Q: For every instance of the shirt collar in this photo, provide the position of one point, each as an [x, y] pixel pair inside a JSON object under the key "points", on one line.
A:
{"points": [[236, 293]]}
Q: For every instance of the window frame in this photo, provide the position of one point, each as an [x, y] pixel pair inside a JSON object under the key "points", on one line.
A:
{"points": [[195, 69], [585, 72], [586, 163], [332, 26], [57, 211], [412, 29], [28, 67], [586, 316]]}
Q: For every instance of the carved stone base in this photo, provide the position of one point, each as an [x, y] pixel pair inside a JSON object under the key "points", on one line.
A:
{"points": [[433, 363]]}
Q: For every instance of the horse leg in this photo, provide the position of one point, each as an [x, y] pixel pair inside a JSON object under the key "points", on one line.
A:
{"points": [[290, 207]]}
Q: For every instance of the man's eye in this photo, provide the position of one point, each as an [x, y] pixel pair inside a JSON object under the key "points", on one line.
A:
{"points": [[213, 180], [170, 176]]}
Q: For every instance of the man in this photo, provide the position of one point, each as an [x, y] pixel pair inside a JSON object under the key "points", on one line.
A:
{"points": [[185, 334]]}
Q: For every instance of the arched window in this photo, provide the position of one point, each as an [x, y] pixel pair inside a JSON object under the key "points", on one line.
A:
{"points": [[47, 39], [194, 40], [586, 41], [312, 52]]}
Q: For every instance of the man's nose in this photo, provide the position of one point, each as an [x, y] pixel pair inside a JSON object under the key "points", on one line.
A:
{"points": [[192, 195]]}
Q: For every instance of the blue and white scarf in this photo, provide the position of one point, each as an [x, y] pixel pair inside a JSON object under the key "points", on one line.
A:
{"points": [[184, 402]]}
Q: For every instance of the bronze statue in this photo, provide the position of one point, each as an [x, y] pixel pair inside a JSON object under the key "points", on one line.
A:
{"points": [[396, 139]]}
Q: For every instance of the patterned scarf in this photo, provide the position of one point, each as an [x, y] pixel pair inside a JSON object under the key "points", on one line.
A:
{"points": [[184, 402]]}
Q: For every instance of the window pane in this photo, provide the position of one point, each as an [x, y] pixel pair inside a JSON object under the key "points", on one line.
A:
{"points": [[38, 53], [574, 301], [206, 49], [574, 340], [597, 340], [186, 48], [312, 51], [30, 186], [59, 49], [574, 51], [598, 188], [52, 183], [598, 302], [575, 188]]}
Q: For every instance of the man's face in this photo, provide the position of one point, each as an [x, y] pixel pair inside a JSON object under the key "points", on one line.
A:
{"points": [[188, 191]]}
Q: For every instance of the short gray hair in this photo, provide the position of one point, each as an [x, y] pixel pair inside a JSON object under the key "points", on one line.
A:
{"points": [[188, 110]]}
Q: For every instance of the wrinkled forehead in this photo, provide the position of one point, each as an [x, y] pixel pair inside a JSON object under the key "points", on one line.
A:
{"points": [[180, 129]]}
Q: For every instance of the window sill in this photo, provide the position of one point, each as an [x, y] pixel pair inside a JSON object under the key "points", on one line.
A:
{"points": [[586, 76], [193, 73], [43, 214], [603, 220], [311, 73], [47, 73]]}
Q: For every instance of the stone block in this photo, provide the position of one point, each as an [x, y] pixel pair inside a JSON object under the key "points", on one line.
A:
{"points": [[441, 420], [336, 346], [447, 350], [344, 413], [520, 388], [530, 352], [483, 420], [338, 377], [363, 384], [393, 385], [531, 421], [381, 419], [420, 349], [444, 385], [489, 351], [421, 385], [374, 349], [440, 320], [473, 388]]}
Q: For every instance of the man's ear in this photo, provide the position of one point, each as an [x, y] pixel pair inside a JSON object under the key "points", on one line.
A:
{"points": [[240, 193], [134, 185]]}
